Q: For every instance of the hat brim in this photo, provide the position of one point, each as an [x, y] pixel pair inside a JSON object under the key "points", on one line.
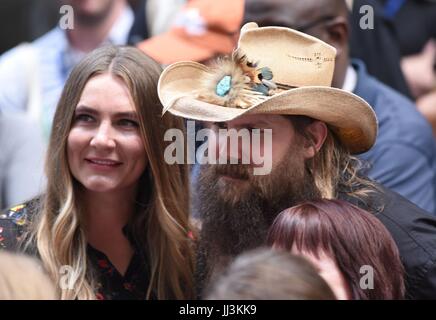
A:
{"points": [[348, 116]]}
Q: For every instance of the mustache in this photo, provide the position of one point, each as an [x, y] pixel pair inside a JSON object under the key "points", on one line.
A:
{"points": [[237, 171]]}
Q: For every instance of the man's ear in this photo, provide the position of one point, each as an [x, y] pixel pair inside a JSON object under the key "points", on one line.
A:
{"points": [[317, 133], [338, 33]]}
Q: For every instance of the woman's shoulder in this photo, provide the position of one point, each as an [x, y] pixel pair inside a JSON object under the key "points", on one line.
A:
{"points": [[14, 222]]}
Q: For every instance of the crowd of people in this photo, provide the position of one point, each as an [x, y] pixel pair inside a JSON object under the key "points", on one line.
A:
{"points": [[344, 114]]}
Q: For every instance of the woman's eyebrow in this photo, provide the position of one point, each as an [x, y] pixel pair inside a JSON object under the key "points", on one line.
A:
{"points": [[124, 114], [82, 108], [127, 114]]}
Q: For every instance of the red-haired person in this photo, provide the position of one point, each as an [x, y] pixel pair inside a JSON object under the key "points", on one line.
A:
{"points": [[350, 248]]}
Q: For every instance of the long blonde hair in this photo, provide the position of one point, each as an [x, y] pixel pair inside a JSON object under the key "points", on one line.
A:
{"points": [[161, 226], [333, 169]]}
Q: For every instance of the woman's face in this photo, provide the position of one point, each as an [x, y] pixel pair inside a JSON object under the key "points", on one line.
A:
{"points": [[105, 149], [329, 271]]}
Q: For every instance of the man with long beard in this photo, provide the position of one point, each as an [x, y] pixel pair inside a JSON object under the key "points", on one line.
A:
{"points": [[237, 207], [280, 80]]}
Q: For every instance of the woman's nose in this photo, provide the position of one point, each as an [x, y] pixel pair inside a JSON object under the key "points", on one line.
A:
{"points": [[104, 136]]}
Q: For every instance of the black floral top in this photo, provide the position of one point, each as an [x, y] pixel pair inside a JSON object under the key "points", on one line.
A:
{"points": [[111, 285]]}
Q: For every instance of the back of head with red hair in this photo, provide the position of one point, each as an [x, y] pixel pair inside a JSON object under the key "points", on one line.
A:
{"points": [[349, 235]]}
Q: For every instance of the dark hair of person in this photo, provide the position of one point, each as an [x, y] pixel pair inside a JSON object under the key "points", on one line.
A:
{"points": [[351, 236]]}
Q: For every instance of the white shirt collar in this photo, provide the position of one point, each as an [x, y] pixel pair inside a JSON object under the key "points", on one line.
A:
{"points": [[350, 81]]}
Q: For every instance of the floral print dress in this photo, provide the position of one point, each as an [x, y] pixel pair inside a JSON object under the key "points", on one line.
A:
{"points": [[111, 285]]}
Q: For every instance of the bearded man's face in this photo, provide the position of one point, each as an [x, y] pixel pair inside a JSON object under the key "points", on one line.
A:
{"points": [[236, 206], [234, 182]]}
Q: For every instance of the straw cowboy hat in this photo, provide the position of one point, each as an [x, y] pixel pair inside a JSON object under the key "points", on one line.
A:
{"points": [[274, 70]]}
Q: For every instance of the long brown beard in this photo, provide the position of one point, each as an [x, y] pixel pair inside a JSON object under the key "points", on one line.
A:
{"points": [[236, 216]]}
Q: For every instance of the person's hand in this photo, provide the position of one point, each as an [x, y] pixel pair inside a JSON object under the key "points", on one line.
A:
{"points": [[418, 70]]}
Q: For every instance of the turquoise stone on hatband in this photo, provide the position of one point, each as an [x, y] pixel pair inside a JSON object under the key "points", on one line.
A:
{"points": [[224, 85]]}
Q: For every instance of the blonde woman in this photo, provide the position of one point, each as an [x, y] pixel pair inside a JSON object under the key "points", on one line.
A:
{"points": [[22, 278], [113, 222]]}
